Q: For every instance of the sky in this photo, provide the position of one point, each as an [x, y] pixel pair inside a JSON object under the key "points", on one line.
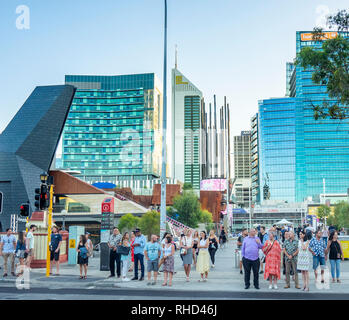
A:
{"points": [[231, 48]]}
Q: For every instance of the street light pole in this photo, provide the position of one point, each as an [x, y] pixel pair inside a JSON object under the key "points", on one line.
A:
{"points": [[164, 128]]}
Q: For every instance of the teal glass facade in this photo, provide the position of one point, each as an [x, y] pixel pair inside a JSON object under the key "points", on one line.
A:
{"points": [[322, 146], [112, 130], [277, 147], [301, 155]]}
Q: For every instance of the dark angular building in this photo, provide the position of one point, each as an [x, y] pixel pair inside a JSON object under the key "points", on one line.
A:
{"points": [[28, 145]]}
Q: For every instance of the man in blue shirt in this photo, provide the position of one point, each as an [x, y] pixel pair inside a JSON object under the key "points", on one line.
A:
{"points": [[317, 248], [250, 258], [7, 249], [152, 253], [55, 245], [139, 245]]}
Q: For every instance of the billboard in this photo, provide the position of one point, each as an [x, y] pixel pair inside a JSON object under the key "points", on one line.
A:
{"points": [[213, 185], [326, 36]]}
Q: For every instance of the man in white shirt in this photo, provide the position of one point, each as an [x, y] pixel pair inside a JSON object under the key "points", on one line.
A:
{"points": [[7, 249], [30, 244]]}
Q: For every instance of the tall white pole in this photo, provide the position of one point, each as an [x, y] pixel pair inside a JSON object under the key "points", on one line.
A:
{"points": [[164, 127]]}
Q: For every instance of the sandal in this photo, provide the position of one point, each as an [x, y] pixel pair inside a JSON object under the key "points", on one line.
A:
{"points": [[85, 277], [338, 281], [164, 284], [81, 277]]}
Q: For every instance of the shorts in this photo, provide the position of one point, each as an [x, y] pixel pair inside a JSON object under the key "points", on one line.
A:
{"points": [[319, 260], [153, 265], [31, 253], [54, 255]]}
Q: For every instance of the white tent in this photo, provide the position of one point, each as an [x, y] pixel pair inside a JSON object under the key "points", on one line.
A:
{"points": [[284, 222]]}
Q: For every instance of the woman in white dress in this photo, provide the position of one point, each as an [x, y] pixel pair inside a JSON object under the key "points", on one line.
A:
{"points": [[303, 262], [203, 262]]}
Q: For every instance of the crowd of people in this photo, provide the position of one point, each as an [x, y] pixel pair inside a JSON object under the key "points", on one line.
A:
{"points": [[293, 250], [130, 252]]}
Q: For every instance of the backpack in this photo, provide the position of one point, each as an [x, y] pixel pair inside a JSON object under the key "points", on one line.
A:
{"points": [[83, 252]]}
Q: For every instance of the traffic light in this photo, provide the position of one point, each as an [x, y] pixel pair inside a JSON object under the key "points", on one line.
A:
{"points": [[42, 197], [24, 210], [37, 198]]}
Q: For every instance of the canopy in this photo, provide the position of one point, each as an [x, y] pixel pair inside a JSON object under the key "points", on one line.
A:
{"points": [[284, 221]]}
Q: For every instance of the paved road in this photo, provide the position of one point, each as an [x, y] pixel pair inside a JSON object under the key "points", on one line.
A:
{"points": [[225, 282]]}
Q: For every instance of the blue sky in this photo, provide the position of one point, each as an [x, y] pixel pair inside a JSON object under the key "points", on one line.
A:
{"points": [[233, 48]]}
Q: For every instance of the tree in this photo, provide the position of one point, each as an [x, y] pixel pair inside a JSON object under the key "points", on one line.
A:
{"points": [[187, 206], [128, 222], [187, 186], [150, 223], [323, 212], [205, 216], [341, 215], [330, 67]]}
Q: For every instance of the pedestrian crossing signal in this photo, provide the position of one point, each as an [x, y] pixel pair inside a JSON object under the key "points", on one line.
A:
{"points": [[24, 210]]}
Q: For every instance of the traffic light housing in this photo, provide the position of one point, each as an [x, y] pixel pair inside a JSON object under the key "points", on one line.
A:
{"points": [[42, 197], [24, 210]]}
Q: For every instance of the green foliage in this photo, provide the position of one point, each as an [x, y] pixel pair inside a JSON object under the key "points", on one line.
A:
{"points": [[128, 222], [150, 223], [188, 208], [205, 217], [323, 212], [187, 186], [209, 227], [331, 68], [341, 215]]}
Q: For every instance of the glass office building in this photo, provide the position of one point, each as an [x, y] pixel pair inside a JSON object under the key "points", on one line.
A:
{"points": [[277, 148], [113, 130], [322, 146], [301, 157]]}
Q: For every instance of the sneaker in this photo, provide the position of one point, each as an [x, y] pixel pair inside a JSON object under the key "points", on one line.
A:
{"points": [[149, 284], [275, 286], [125, 279], [270, 286], [111, 276], [213, 266], [141, 278], [134, 278]]}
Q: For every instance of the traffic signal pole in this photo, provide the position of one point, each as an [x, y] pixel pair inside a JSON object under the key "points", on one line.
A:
{"points": [[50, 209]]}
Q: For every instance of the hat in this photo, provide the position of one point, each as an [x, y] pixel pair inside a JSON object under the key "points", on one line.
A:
{"points": [[87, 232], [137, 230]]}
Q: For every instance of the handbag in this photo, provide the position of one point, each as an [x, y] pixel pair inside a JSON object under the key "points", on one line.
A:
{"points": [[184, 251], [123, 250]]}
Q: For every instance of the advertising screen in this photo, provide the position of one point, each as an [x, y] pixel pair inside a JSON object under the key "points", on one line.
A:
{"points": [[213, 185]]}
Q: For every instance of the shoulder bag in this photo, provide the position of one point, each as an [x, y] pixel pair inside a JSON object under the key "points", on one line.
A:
{"points": [[123, 250], [183, 251]]}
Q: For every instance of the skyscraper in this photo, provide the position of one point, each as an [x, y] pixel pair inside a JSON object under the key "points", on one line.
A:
{"points": [[242, 169], [254, 159], [113, 130], [297, 153], [186, 130]]}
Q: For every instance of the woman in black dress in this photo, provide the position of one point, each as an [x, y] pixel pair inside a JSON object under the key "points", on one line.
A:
{"points": [[213, 246], [82, 250]]}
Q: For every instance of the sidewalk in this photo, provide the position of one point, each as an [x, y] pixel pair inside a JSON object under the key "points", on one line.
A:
{"points": [[224, 277]]}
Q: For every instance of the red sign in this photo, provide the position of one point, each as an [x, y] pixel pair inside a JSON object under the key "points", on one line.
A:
{"points": [[108, 205]]}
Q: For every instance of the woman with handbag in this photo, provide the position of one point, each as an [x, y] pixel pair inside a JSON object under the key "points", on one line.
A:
{"points": [[334, 248], [203, 263], [272, 251], [213, 246], [303, 260], [125, 252], [168, 258], [186, 252], [133, 237]]}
